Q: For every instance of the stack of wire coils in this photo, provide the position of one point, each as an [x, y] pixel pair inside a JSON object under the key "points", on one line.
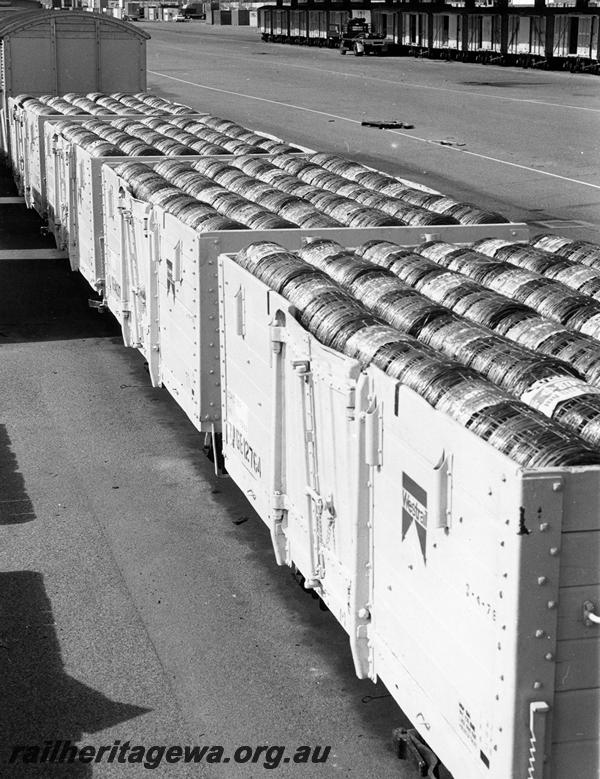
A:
{"points": [[462, 213], [243, 198], [559, 301], [334, 315], [99, 103], [550, 385], [583, 252], [481, 305], [154, 136]]}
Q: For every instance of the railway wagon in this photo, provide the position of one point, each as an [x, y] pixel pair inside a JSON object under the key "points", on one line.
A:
{"points": [[574, 40], [467, 581], [414, 31], [281, 408], [41, 53], [527, 37], [384, 22], [298, 26], [151, 250], [446, 33], [321, 26], [318, 27], [483, 36], [403, 585]]}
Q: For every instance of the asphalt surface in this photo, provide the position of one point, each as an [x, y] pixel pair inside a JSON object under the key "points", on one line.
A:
{"points": [[140, 602], [524, 142]]}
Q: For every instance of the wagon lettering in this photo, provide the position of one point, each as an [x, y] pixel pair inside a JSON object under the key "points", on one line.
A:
{"points": [[414, 509], [238, 441]]}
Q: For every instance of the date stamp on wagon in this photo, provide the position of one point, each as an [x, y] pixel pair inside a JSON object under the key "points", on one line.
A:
{"points": [[150, 757]]}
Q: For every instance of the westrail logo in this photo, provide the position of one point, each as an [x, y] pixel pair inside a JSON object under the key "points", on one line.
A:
{"points": [[414, 509]]}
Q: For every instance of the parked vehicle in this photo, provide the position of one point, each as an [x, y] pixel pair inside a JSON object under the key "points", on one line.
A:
{"points": [[357, 36]]}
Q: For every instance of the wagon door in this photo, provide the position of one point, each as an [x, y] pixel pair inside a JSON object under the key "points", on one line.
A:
{"points": [[538, 35], [584, 37], [523, 38], [561, 36]]}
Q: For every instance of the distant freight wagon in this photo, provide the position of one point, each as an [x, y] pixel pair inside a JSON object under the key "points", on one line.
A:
{"points": [[527, 37]]}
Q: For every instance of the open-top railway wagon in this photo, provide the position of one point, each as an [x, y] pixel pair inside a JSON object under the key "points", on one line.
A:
{"points": [[337, 332]]}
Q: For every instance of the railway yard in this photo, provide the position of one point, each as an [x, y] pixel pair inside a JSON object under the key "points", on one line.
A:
{"points": [[140, 594]]}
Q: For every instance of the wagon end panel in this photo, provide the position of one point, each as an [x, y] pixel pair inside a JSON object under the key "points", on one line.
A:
{"points": [[246, 383], [115, 201], [122, 60], [86, 205], [465, 564], [292, 433], [179, 300], [576, 711], [324, 477]]}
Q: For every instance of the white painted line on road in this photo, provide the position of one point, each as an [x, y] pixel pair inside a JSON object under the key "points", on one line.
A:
{"points": [[396, 132], [32, 254], [411, 85], [501, 162]]}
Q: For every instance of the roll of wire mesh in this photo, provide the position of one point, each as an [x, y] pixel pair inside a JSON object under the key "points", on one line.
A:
{"points": [[184, 121], [229, 175], [257, 191], [68, 128], [94, 144], [176, 133], [577, 276], [128, 170], [171, 167], [160, 122], [253, 166], [583, 252], [237, 131], [37, 107], [292, 165], [147, 184], [197, 143], [372, 180], [305, 216], [270, 198], [265, 220], [240, 148], [286, 182], [191, 183], [153, 101], [114, 105], [63, 106], [132, 102], [127, 144]]}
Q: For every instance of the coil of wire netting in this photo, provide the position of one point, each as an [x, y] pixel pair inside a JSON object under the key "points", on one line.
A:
{"points": [[584, 252]]}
